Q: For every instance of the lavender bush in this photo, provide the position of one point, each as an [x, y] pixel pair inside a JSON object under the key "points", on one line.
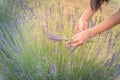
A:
{"points": [[32, 44]]}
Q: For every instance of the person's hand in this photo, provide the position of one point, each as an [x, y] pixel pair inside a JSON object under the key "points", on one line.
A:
{"points": [[78, 39], [81, 26]]}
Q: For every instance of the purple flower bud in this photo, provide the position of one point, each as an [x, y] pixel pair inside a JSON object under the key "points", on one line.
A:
{"points": [[118, 66], [54, 37], [1, 77], [31, 77], [71, 50], [37, 4], [66, 78], [54, 69], [91, 74], [16, 73], [54, 49], [109, 42], [118, 71], [31, 9], [57, 27], [1, 36], [98, 51], [117, 35], [51, 9], [1, 44], [16, 49], [21, 66], [69, 18], [5, 69], [109, 62], [62, 25]]}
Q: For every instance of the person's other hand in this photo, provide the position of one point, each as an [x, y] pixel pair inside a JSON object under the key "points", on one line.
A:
{"points": [[81, 26], [78, 39]]}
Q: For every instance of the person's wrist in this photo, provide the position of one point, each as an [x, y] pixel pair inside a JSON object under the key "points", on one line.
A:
{"points": [[83, 24], [90, 33], [83, 21]]}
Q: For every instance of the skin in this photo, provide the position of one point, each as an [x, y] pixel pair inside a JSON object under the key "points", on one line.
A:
{"points": [[83, 22], [81, 37]]}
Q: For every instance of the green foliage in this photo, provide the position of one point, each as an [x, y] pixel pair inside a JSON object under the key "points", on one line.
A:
{"points": [[27, 52]]}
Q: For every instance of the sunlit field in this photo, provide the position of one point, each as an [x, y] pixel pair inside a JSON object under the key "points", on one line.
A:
{"points": [[33, 37]]}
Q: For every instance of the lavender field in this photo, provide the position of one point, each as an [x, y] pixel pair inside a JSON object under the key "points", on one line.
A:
{"points": [[33, 37]]}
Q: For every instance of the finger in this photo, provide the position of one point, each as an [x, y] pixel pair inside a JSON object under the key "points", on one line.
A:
{"points": [[85, 27], [77, 30], [67, 45], [78, 43], [75, 44], [75, 40], [68, 42], [75, 36], [80, 30]]}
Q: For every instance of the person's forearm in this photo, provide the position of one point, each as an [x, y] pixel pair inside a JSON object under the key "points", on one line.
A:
{"points": [[87, 14], [105, 25]]}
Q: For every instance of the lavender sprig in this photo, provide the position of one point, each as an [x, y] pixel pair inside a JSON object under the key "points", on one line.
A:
{"points": [[57, 38]]}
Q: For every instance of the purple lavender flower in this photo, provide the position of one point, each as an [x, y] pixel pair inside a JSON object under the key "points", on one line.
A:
{"points": [[98, 50], [80, 78], [68, 65], [51, 8], [71, 50], [1, 77], [1, 44], [109, 62], [66, 78], [91, 74], [20, 66], [57, 27], [69, 18], [36, 4], [31, 77], [1, 36], [16, 49], [118, 66], [16, 73], [21, 4], [54, 49], [117, 35], [31, 9], [54, 69], [115, 39], [0, 39], [5, 69], [109, 42], [117, 73], [62, 25], [54, 37]]}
